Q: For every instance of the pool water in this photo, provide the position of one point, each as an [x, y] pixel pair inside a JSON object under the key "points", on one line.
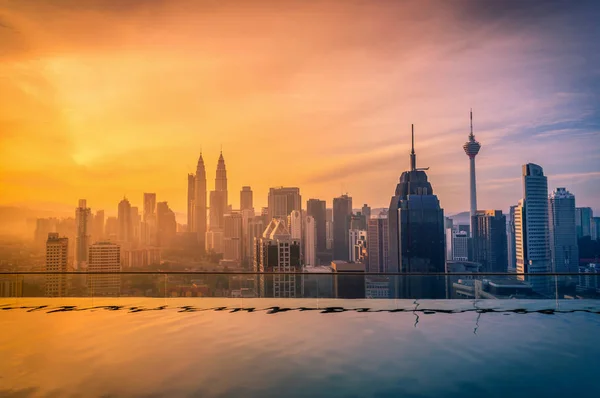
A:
{"points": [[298, 348]]}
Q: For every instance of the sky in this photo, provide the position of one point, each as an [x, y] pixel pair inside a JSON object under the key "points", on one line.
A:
{"points": [[105, 99]]}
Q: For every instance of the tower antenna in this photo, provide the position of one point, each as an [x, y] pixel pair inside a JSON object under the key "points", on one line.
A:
{"points": [[472, 123], [413, 156]]}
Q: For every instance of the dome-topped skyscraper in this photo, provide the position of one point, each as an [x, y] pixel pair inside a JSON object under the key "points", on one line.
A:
{"points": [[472, 148]]}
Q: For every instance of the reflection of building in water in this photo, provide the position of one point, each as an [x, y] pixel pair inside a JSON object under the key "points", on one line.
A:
{"points": [[276, 251], [589, 278], [348, 286], [493, 288], [104, 257], [11, 285], [464, 268], [317, 282]]}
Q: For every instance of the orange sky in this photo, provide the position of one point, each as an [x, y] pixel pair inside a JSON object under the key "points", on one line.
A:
{"points": [[101, 99]]}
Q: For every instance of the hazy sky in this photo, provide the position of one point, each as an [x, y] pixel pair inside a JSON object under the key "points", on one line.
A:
{"points": [[100, 99]]}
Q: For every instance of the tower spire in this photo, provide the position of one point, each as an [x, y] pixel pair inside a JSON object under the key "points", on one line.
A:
{"points": [[413, 156], [471, 135]]}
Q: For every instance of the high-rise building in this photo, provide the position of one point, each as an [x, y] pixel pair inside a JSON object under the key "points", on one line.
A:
{"points": [[214, 241], [148, 227], [511, 240], [98, 233], [329, 229], [136, 225], [595, 228], [199, 206], [563, 231], [276, 251], [357, 221], [416, 234], [125, 225], [111, 230], [489, 240], [295, 224], [316, 209], [256, 227], [57, 257], [218, 197], [310, 242], [104, 257], [472, 148], [246, 198], [191, 192], [282, 201], [83, 219], [166, 224], [342, 210], [583, 220], [531, 226], [366, 211], [247, 217], [232, 237], [459, 246], [378, 244], [357, 241]]}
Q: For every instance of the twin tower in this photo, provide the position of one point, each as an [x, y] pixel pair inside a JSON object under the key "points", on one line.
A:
{"points": [[197, 220]]}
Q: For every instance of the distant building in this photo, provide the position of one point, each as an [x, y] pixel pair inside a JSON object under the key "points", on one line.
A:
{"points": [[84, 222], [199, 204], [247, 245], [310, 242], [104, 257], [563, 231], [489, 240], [532, 230], [256, 227], [595, 226], [98, 233], [218, 197], [366, 211], [166, 224], [342, 210], [190, 202], [57, 257], [282, 201], [459, 246], [111, 230], [214, 241], [276, 251], [246, 199], [348, 286], [377, 245], [583, 221], [140, 258], [589, 278], [317, 209], [416, 234], [358, 221], [357, 243], [149, 228], [511, 240], [232, 237], [125, 225]]}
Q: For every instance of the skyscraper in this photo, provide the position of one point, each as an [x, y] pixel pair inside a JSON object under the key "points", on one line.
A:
{"points": [[342, 210], [247, 218], [317, 209], [378, 245], [563, 231], [98, 226], [459, 245], [310, 242], [595, 228], [83, 220], [531, 225], [489, 240], [511, 240], [104, 257], [232, 237], [357, 240], [472, 148], [295, 224], [282, 201], [136, 225], [218, 197], [125, 225], [149, 221], [199, 219], [57, 257], [246, 198], [191, 192], [583, 220], [276, 251], [416, 234], [166, 224], [366, 211]]}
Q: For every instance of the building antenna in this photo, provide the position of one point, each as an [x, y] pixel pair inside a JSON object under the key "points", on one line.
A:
{"points": [[413, 156], [471, 123]]}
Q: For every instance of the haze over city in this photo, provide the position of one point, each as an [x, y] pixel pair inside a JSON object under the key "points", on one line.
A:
{"points": [[105, 99]]}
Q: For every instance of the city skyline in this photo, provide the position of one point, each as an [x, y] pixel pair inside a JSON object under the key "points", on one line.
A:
{"points": [[335, 104]]}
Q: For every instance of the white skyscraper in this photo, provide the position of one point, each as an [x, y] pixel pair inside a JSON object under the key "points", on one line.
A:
{"points": [[472, 148], [295, 224], [531, 228], [563, 231]]}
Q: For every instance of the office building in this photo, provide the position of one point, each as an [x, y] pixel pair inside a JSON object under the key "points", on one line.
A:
{"points": [[595, 228], [310, 242], [149, 229], [563, 231], [214, 241], [348, 283], [316, 209], [531, 228], [295, 221], [83, 220], [199, 205], [104, 257], [472, 148], [342, 210], [140, 258], [246, 201], [282, 201], [57, 257], [136, 226], [489, 240], [232, 237], [459, 246], [98, 232], [583, 220], [256, 227], [366, 211], [357, 241], [125, 233], [357, 221], [276, 251], [247, 217], [191, 194], [218, 197], [378, 243], [416, 235], [511, 240], [589, 278], [166, 224]]}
